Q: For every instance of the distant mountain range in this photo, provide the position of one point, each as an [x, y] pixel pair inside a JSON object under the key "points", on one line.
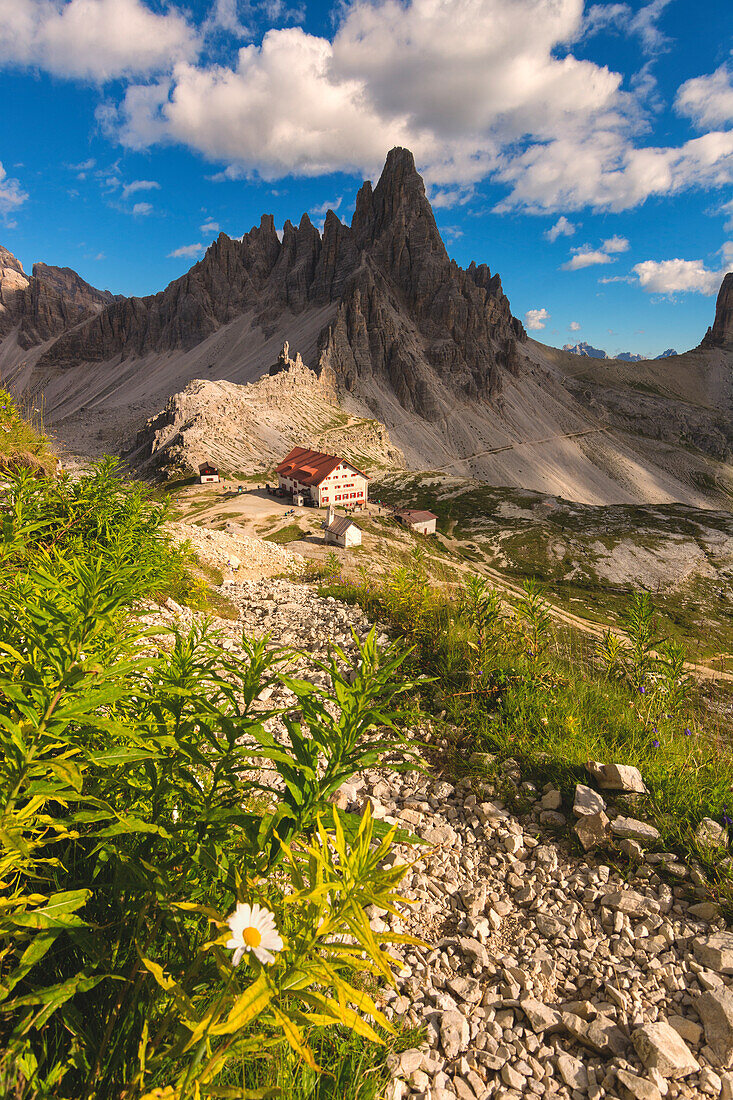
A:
{"points": [[398, 332], [625, 356]]}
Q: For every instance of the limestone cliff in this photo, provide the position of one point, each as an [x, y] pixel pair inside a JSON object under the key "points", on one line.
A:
{"points": [[721, 332], [405, 314], [46, 303]]}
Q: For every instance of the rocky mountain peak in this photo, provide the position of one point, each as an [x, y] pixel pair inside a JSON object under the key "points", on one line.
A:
{"points": [[9, 262], [721, 332], [397, 212]]}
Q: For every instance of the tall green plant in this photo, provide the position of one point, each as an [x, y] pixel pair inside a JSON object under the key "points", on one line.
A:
{"points": [[143, 796]]}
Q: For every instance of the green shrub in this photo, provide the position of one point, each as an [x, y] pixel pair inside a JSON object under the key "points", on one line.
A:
{"points": [[143, 797]]}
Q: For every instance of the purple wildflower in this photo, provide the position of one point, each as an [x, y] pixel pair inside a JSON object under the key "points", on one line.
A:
{"points": [[642, 690], [688, 733], [655, 744]]}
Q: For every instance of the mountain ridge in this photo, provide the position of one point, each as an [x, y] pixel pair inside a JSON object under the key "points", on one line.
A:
{"points": [[403, 335]]}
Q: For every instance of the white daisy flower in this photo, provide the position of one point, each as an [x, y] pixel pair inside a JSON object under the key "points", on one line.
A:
{"points": [[253, 929]]}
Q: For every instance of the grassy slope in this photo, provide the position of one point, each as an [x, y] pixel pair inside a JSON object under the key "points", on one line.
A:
{"points": [[554, 711], [571, 549]]}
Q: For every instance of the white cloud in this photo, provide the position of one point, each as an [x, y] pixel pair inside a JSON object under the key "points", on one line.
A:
{"points": [[323, 208], [708, 100], [586, 257], [454, 82], [535, 319], [210, 227], [139, 185], [142, 209], [574, 326], [186, 251], [623, 18], [476, 88], [561, 228], [603, 171], [727, 210], [95, 40], [12, 194], [679, 276], [615, 244]]}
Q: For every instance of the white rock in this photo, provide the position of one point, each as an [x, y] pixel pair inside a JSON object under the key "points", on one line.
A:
{"points": [[715, 1008], [592, 830], [715, 952], [573, 1072], [660, 1047], [639, 1087], [617, 777], [635, 830], [587, 801], [455, 1033]]}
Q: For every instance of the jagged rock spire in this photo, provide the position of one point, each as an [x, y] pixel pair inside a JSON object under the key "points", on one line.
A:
{"points": [[721, 332]]}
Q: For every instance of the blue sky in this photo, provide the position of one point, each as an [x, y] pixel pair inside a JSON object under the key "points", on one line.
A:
{"points": [[583, 151]]}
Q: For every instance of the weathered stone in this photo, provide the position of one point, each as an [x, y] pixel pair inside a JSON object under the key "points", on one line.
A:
{"points": [[639, 1087], [592, 830], [715, 952], [454, 1033], [660, 1047], [541, 1017], [632, 849], [688, 1029], [635, 830], [587, 801], [573, 1072], [617, 777], [552, 800], [711, 834], [705, 910], [715, 1008], [629, 901]]}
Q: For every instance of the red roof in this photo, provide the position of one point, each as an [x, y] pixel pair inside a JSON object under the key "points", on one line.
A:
{"points": [[311, 467]]}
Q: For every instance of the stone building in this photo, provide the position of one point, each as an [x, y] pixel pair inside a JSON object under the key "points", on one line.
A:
{"points": [[422, 522]]}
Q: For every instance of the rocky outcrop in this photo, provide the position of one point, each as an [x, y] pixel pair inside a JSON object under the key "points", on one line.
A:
{"points": [[13, 284], [721, 332], [56, 299], [247, 429], [45, 304], [407, 316]]}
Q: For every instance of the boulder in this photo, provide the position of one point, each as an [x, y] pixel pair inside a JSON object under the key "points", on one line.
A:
{"points": [[715, 1008], [587, 801], [617, 777], [660, 1047]]}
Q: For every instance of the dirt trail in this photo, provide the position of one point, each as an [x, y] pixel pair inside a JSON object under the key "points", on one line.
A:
{"points": [[525, 443], [703, 672]]}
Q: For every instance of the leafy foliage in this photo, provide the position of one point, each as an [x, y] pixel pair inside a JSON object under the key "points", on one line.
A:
{"points": [[143, 794]]}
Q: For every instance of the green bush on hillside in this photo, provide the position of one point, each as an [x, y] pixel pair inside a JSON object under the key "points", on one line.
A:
{"points": [[143, 799]]}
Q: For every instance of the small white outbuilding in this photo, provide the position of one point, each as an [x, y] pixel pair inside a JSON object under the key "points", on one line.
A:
{"points": [[208, 473], [341, 530]]}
